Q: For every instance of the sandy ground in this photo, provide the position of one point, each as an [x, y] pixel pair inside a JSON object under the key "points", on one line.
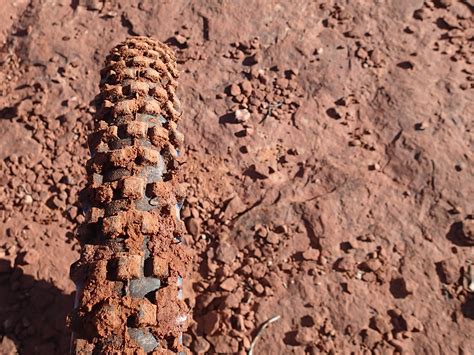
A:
{"points": [[329, 162]]}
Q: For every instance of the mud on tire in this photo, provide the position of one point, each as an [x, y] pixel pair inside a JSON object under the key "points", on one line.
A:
{"points": [[130, 272]]}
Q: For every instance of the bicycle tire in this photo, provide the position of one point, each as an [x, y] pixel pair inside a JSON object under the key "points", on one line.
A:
{"points": [[130, 272]]}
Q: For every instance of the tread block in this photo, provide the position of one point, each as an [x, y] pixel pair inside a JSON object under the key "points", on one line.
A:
{"points": [[178, 136], [138, 43], [173, 113], [125, 107], [122, 157], [104, 194], [106, 104], [101, 147], [94, 164], [94, 215], [146, 313], [150, 53], [108, 317], [141, 61], [127, 267], [159, 267], [162, 190], [129, 73], [158, 136], [137, 129], [149, 155], [131, 52], [139, 87], [150, 223], [83, 347], [113, 91], [111, 133], [177, 105], [151, 74], [98, 270], [159, 66], [160, 94], [120, 143], [132, 187], [168, 315], [112, 226], [100, 126], [151, 107]]}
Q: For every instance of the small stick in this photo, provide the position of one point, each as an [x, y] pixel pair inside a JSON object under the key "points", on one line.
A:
{"points": [[259, 333]]}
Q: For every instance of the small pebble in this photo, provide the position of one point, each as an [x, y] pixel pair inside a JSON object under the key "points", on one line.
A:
{"points": [[234, 90], [242, 115]]}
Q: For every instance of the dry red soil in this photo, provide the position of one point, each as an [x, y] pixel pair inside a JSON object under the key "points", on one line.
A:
{"points": [[328, 167]]}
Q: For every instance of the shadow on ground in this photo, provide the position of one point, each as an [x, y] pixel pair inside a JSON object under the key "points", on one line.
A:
{"points": [[34, 311]]}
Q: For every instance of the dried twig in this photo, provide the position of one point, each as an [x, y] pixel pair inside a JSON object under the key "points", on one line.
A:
{"points": [[260, 331]]}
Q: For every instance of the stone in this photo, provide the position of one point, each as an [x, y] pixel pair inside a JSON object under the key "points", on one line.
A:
{"points": [[449, 273], [369, 277], [381, 324], [242, 116], [468, 231], [259, 289], [27, 200], [7, 346], [370, 337], [200, 345], [273, 238], [180, 39], [209, 322], [305, 336], [259, 270], [234, 90], [194, 226], [229, 284], [226, 252], [345, 263], [371, 265], [234, 206], [234, 299], [413, 323], [443, 3], [311, 254], [246, 86]]}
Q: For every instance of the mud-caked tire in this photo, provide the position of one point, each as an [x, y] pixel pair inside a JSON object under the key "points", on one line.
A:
{"points": [[130, 273]]}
